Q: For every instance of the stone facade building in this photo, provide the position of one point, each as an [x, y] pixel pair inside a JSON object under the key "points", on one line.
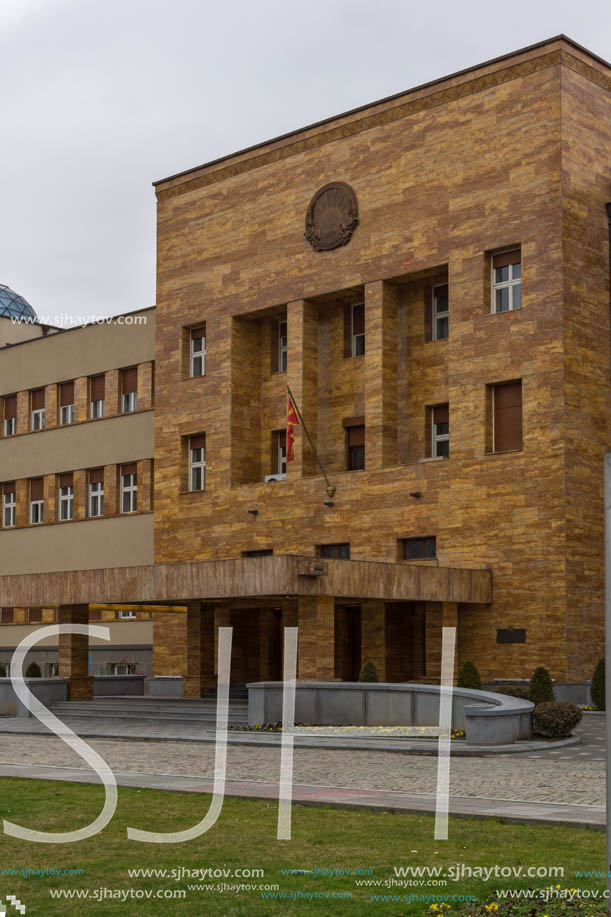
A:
{"points": [[428, 276]]}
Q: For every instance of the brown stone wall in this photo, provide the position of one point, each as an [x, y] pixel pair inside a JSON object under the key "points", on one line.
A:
{"points": [[439, 188]]}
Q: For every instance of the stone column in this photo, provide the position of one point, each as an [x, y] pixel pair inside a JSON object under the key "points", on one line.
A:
{"points": [[51, 406], [81, 399], [192, 682], [169, 643], [208, 680], [380, 374], [302, 378], [316, 653], [74, 653], [437, 616], [373, 634], [222, 618]]}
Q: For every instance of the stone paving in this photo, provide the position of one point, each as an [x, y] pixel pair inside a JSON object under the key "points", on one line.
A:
{"points": [[576, 778]]}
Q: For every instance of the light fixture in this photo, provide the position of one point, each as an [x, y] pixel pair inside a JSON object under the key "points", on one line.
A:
{"points": [[416, 494], [253, 512]]}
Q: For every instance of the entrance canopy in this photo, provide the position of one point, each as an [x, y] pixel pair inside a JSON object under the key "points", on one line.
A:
{"points": [[249, 577]]}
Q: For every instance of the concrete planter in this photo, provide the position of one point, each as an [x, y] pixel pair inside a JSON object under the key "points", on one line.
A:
{"points": [[165, 686], [487, 718], [113, 685], [46, 690]]}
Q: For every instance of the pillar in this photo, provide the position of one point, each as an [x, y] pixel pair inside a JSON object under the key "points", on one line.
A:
{"points": [[81, 399], [380, 374], [316, 653], [437, 616], [192, 682], [74, 653], [373, 634], [302, 379], [222, 618], [169, 643]]}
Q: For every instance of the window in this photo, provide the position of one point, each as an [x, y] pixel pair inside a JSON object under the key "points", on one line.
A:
{"points": [[7, 615], [355, 446], [97, 394], [129, 488], [37, 403], [339, 551], [34, 615], [66, 403], [96, 492], [357, 332], [127, 615], [51, 669], [129, 390], [66, 497], [121, 668], [419, 548], [279, 344], [10, 415], [278, 463], [440, 317], [197, 351], [260, 552], [440, 431], [9, 505], [36, 501], [507, 281], [507, 416], [197, 462]]}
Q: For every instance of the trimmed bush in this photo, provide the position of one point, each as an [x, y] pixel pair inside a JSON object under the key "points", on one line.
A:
{"points": [[541, 689], [468, 677], [33, 670], [369, 671], [597, 688], [520, 691], [556, 719]]}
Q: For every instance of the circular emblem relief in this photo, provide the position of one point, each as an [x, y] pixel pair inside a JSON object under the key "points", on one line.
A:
{"points": [[332, 216]]}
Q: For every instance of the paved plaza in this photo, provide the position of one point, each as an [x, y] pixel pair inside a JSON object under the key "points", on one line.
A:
{"points": [[570, 776]]}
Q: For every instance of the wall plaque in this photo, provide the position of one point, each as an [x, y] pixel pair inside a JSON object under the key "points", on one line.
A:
{"points": [[332, 216]]}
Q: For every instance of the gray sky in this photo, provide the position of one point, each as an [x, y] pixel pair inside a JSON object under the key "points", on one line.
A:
{"points": [[101, 98]]}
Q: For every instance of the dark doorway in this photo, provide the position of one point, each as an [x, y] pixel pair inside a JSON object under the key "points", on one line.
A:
{"points": [[347, 642], [405, 659]]}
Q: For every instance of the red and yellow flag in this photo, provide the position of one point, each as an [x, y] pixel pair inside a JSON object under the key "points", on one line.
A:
{"points": [[292, 420]]}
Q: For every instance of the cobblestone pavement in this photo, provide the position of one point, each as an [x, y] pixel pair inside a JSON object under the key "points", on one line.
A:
{"points": [[573, 776]]}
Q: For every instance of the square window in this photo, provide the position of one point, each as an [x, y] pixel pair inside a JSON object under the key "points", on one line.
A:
{"points": [[506, 281]]}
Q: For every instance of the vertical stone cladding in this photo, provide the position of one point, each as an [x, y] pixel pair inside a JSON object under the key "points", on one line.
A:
{"points": [[74, 653], [586, 188], [373, 634], [316, 654], [380, 374]]}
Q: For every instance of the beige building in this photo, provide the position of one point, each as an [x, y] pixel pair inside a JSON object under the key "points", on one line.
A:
{"points": [[76, 455]]}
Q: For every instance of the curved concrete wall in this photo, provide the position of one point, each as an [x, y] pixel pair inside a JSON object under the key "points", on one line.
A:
{"points": [[489, 719]]}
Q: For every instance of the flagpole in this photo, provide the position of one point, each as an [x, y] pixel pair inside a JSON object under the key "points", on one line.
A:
{"points": [[330, 487]]}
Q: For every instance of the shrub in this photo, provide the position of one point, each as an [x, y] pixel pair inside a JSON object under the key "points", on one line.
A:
{"points": [[520, 691], [556, 719], [33, 670], [541, 689], [369, 671], [597, 688], [468, 677]]}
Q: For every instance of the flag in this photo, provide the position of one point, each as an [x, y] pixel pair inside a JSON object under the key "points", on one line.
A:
{"points": [[292, 420]]}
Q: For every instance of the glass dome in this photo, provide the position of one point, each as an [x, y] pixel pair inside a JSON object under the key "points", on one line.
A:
{"points": [[15, 306]]}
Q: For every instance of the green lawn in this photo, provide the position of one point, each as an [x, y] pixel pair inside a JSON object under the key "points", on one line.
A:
{"points": [[245, 837]]}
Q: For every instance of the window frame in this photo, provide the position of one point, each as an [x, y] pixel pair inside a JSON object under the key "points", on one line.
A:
{"points": [[11, 507], [355, 337], [423, 539], [282, 344], [95, 498], [342, 548], [129, 402], [492, 407], [129, 490], [70, 409], [9, 424], [439, 438], [437, 316], [509, 284], [351, 448], [279, 453], [197, 465], [66, 500], [127, 615], [37, 512], [199, 354], [96, 409], [38, 419]]}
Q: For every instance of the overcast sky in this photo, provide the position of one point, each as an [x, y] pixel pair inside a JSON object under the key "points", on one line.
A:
{"points": [[101, 97]]}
